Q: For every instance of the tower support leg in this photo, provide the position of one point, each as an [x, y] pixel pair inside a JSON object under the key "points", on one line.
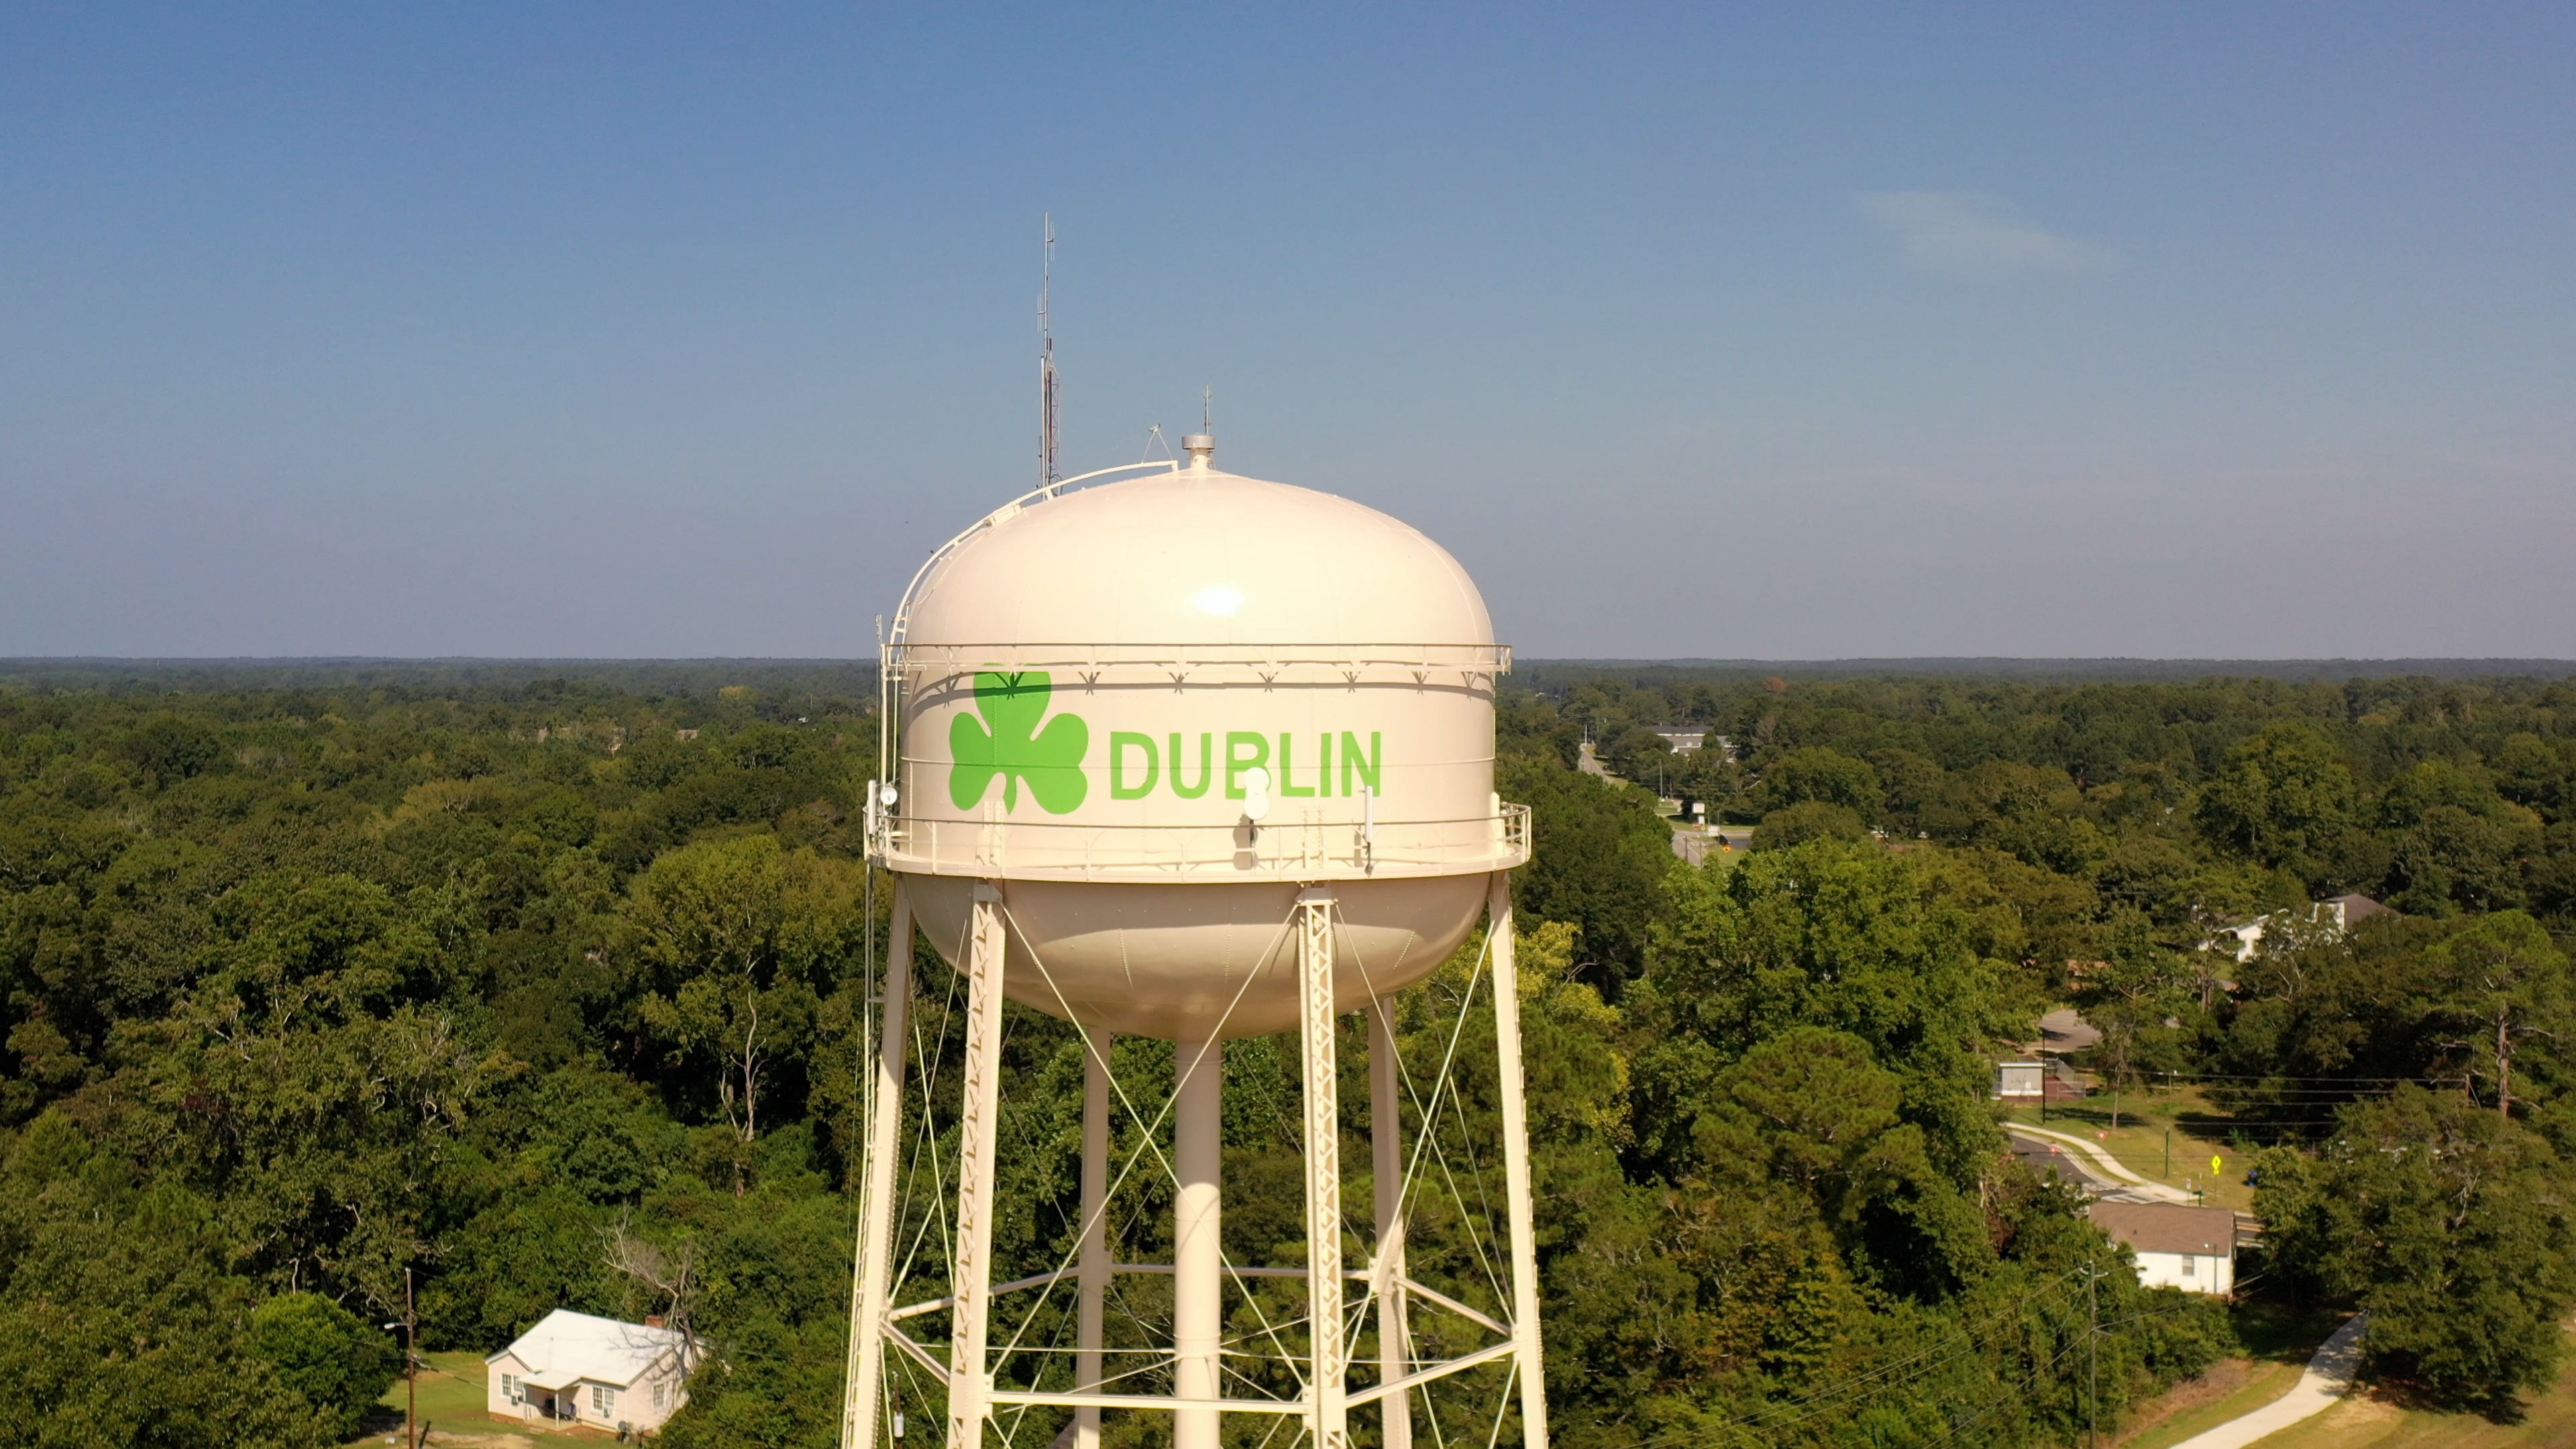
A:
{"points": [[1386, 1162], [1091, 1270], [1516, 1174], [1198, 1253], [874, 1260], [970, 1319], [1328, 1376]]}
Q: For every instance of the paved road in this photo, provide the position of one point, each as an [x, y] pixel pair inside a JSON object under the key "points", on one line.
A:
{"points": [[2089, 1166], [1695, 847], [2049, 1157]]}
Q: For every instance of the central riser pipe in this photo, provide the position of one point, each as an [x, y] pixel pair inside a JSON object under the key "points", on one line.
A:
{"points": [[1198, 1259], [1386, 1161], [1091, 1292]]}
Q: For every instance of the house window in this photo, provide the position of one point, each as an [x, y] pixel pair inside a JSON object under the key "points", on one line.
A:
{"points": [[509, 1388], [661, 1397], [603, 1399], [2190, 1266]]}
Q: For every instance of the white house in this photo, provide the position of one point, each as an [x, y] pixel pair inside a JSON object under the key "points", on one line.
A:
{"points": [[595, 1371], [2338, 913], [2177, 1245]]}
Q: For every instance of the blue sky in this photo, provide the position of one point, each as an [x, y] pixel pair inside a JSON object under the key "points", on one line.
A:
{"points": [[1786, 332]]}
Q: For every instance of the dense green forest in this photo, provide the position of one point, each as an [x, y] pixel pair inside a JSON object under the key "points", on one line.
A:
{"points": [[307, 981]]}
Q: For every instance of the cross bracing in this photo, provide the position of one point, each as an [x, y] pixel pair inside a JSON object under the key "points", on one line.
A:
{"points": [[1426, 1329]]}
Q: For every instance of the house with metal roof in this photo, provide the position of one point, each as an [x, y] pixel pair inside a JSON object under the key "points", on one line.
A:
{"points": [[576, 1368]]}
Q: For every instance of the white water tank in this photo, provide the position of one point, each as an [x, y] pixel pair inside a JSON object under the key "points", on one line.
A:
{"points": [[1151, 712]]}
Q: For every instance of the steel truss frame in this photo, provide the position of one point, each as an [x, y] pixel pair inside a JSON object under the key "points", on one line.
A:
{"points": [[1322, 1406]]}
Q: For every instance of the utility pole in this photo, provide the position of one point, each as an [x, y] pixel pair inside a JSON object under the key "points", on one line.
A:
{"points": [[2093, 1355], [2168, 1172], [410, 1326]]}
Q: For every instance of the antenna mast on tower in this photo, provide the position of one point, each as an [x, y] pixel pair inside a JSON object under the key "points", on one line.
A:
{"points": [[1048, 476]]}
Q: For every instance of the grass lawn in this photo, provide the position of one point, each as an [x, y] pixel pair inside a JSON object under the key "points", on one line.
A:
{"points": [[2231, 1389], [2278, 1341], [451, 1401], [2281, 1342], [2139, 1144], [2367, 1422], [1722, 861]]}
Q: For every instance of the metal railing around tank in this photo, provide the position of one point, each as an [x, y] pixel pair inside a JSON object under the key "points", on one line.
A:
{"points": [[901, 635], [1276, 849]]}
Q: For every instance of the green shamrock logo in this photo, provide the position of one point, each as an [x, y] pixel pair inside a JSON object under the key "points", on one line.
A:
{"points": [[1009, 743]]}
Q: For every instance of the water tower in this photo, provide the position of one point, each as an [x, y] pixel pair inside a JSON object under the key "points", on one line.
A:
{"points": [[1200, 758]]}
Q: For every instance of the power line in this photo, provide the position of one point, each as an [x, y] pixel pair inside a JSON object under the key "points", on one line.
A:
{"points": [[2261, 1077]]}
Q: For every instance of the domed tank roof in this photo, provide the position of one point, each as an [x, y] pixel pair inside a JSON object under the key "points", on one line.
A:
{"points": [[1147, 715], [1197, 557]]}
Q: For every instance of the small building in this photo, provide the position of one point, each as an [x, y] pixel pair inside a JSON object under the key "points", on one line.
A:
{"points": [[1682, 738], [2177, 1245], [2032, 1080], [575, 1368]]}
